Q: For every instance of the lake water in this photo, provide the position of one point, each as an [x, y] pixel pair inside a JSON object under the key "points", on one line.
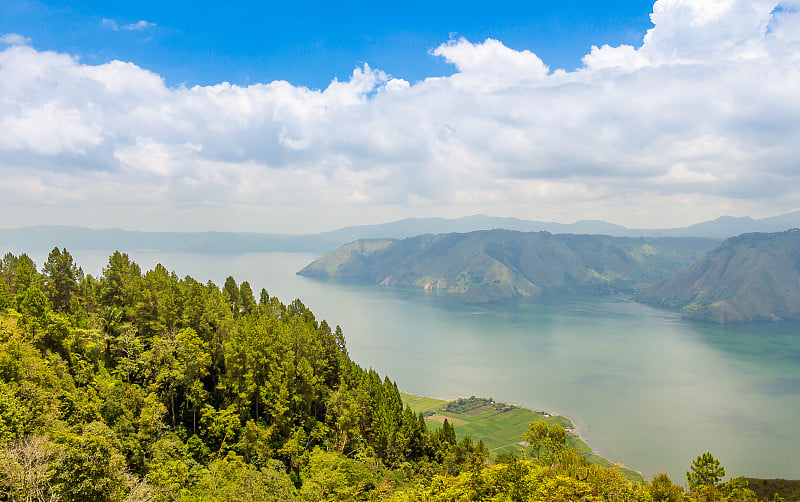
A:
{"points": [[642, 385]]}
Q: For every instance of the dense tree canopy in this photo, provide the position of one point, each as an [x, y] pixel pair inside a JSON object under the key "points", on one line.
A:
{"points": [[141, 379]]}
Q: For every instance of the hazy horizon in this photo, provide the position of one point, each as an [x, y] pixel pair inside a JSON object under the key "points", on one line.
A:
{"points": [[582, 220]]}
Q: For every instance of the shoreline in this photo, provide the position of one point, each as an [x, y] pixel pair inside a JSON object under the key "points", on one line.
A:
{"points": [[573, 430]]}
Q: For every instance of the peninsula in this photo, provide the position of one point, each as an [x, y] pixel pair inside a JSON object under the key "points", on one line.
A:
{"points": [[502, 265]]}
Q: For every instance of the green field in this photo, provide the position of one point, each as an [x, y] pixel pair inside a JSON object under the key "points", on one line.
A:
{"points": [[498, 425], [422, 404]]}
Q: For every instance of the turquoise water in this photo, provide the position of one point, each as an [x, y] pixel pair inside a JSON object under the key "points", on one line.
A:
{"points": [[643, 386]]}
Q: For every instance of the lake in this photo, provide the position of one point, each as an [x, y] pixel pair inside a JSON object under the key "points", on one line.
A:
{"points": [[642, 385]]}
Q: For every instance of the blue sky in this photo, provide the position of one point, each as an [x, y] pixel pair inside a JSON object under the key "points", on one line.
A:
{"points": [[307, 117], [310, 43]]}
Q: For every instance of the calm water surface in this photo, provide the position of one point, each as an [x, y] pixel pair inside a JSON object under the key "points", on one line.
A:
{"points": [[642, 385]]}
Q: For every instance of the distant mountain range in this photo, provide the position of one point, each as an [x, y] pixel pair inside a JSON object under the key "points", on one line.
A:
{"points": [[78, 238], [721, 228], [500, 265], [750, 277], [755, 276], [110, 239]]}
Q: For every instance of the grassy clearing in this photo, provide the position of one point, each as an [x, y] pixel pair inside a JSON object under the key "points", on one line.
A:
{"points": [[422, 404], [500, 426]]}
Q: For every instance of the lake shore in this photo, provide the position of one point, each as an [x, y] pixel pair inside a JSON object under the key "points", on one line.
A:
{"points": [[501, 426]]}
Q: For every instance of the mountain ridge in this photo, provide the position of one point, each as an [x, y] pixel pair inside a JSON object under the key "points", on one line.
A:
{"points": [[490, 266], [109, 239], [750, 277]]}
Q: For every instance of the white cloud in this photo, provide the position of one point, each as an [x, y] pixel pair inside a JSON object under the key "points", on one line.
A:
{"points": [[491, 64], [49, 130], [138, 25], [706, 30], [492, 57], [110, 24], [623, 56], [704, 112], [14, 39], [681, 175]]}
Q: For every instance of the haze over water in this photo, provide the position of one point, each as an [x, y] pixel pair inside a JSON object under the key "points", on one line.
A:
{"points": [[642, 385]]}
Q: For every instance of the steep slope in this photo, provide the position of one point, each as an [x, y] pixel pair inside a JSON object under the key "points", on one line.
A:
{"points": [[751, 277], [499, 265]]}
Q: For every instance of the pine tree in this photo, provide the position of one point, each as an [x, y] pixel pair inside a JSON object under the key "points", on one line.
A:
{"points": [[60, 279], [705, 471]]}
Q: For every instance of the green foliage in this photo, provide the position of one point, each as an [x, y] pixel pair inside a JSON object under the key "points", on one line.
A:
{"points": [[448, 433], [5, 296], [246, 298], [466, 405], [334, 477], [544, 439], [33, 304], [767, 489], [14, 415], [230, 479], [568, 478], [705, 472], [738, 490], [171, 468], [61, 279], [90, 466], [120, 284], [662, 489], [21, 273], [231, 293]]}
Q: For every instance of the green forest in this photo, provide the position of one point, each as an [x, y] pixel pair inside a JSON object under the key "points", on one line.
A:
{"points": [[144, 386]]}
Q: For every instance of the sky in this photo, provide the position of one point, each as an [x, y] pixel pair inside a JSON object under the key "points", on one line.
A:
{"points": [[265, 117]]}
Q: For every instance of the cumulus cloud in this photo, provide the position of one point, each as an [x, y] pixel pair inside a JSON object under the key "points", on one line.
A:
{"points": [[491, 63], [698, 121], [623, 56]]}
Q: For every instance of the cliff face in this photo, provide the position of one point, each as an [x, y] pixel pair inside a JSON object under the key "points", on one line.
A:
{"points": [[500, 265], [751, 277]]}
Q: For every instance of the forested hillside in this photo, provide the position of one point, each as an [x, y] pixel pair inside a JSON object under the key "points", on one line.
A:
{"points": [[146, 379], [752, 277], [501, 265], [149, 387]]}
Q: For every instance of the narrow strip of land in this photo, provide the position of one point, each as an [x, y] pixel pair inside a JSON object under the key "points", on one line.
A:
{"points": [[500, 426]]}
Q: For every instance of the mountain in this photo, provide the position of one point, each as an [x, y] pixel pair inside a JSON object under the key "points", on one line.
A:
{"points": [[729, 226], [410, 227], [751, 277], [45, 237], [722, 228], [500, 265], [109, 239]]}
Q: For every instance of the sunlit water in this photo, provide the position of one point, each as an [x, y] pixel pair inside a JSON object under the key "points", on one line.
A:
{"points": [[642, 385]]}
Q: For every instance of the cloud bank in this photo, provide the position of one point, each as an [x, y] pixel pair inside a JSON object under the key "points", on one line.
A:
{"points": [[702, 119]]}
